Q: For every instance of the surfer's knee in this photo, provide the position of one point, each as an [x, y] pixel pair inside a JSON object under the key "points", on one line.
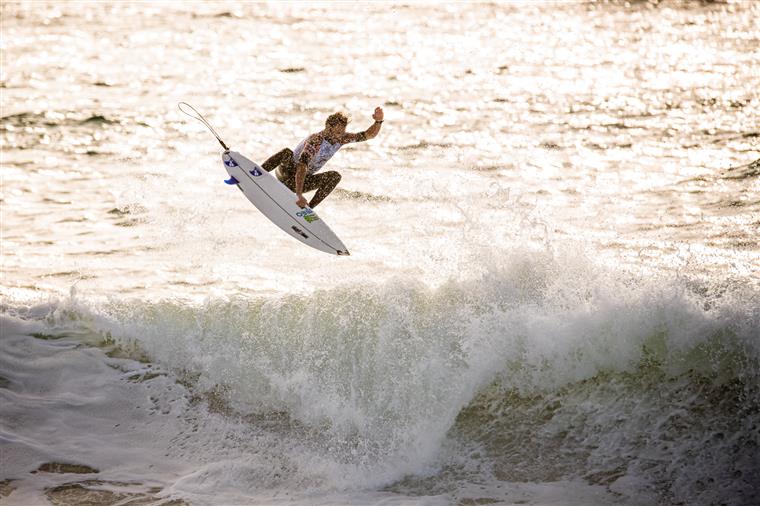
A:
{"points": [[334, 177], [283, 157], [286, 157]]}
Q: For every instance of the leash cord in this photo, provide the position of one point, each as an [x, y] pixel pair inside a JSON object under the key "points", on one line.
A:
{"points": [[200, 118]]}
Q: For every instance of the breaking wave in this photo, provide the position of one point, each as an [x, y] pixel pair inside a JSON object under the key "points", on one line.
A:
{"points": [[551, 370]]}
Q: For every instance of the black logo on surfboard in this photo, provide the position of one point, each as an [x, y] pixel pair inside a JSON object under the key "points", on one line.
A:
{"points": [[299, 232]]}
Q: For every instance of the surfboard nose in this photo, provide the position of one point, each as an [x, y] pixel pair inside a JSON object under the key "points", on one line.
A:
{"points": [[343, 252]]}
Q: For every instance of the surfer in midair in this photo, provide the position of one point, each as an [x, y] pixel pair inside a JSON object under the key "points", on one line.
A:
{"points": [[297, 169]]}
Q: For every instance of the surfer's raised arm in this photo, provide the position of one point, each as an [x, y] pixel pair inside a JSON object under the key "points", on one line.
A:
{"points": [[298, 169], [369, 133]]}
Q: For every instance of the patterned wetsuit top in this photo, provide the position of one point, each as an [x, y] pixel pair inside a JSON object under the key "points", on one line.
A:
{"points": [[314, 151]]}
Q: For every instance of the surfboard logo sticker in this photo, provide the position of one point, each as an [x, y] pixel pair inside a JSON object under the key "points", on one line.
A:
{"points": [[255, 172], [229, 162], [308, 215]]}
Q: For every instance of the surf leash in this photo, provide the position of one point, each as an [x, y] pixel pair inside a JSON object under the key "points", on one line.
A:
{"points": [[200, 118]]}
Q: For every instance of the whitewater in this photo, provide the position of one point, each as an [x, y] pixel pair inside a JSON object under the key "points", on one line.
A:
{"points": [[553, 293]]}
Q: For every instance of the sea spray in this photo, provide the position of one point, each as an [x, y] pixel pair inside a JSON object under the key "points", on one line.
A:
{"points": [[540, 351]]}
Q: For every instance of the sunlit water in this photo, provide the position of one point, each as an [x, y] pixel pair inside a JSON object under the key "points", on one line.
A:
{"points": [[552, 295]]}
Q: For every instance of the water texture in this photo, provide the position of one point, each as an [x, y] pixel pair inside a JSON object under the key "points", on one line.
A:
{"points": [[553, 295]]}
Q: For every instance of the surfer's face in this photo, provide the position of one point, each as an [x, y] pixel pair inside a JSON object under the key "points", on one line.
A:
{"points": [[335, 130]]}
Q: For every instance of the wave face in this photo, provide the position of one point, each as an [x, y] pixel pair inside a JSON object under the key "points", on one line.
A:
{"points": [[539, 371]]}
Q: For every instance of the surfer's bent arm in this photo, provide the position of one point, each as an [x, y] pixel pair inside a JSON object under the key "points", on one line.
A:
{"points": [[300, 178], [310, 149]]}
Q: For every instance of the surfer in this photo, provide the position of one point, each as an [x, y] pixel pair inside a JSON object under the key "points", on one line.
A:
{"points": [[297, 169]]}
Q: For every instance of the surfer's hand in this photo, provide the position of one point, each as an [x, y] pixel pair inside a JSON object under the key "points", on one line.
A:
{"points": [[378, 116], [301, 202]]}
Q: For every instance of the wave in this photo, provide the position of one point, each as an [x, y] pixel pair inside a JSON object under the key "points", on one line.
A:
{"points": [[554, 371], [54, 119], [43, 129], [748, 171], [360, 195]]}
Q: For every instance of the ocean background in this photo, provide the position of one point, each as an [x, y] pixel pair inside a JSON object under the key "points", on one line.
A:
{"points": [[553, 293]]}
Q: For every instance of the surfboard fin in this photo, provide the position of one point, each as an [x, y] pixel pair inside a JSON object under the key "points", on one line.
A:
{"points": [[231, 180]]}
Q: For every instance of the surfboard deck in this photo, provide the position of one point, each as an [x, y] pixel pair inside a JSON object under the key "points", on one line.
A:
{"points": [[278, 203]]}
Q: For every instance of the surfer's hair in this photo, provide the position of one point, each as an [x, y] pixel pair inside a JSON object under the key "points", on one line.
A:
{"points": [[337, 118]]}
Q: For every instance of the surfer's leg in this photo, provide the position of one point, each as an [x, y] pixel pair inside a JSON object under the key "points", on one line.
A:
{"points": [[324, 183], [289, 182], [284, 157]]}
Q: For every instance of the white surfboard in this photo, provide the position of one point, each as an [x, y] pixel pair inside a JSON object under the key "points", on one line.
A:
{"points": [[278, 203]]}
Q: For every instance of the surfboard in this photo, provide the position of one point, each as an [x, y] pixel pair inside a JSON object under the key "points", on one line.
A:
{"points": [[278, 203]]}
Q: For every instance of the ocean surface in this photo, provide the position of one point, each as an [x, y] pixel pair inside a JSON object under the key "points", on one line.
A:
{"points": [[553, 293]]}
